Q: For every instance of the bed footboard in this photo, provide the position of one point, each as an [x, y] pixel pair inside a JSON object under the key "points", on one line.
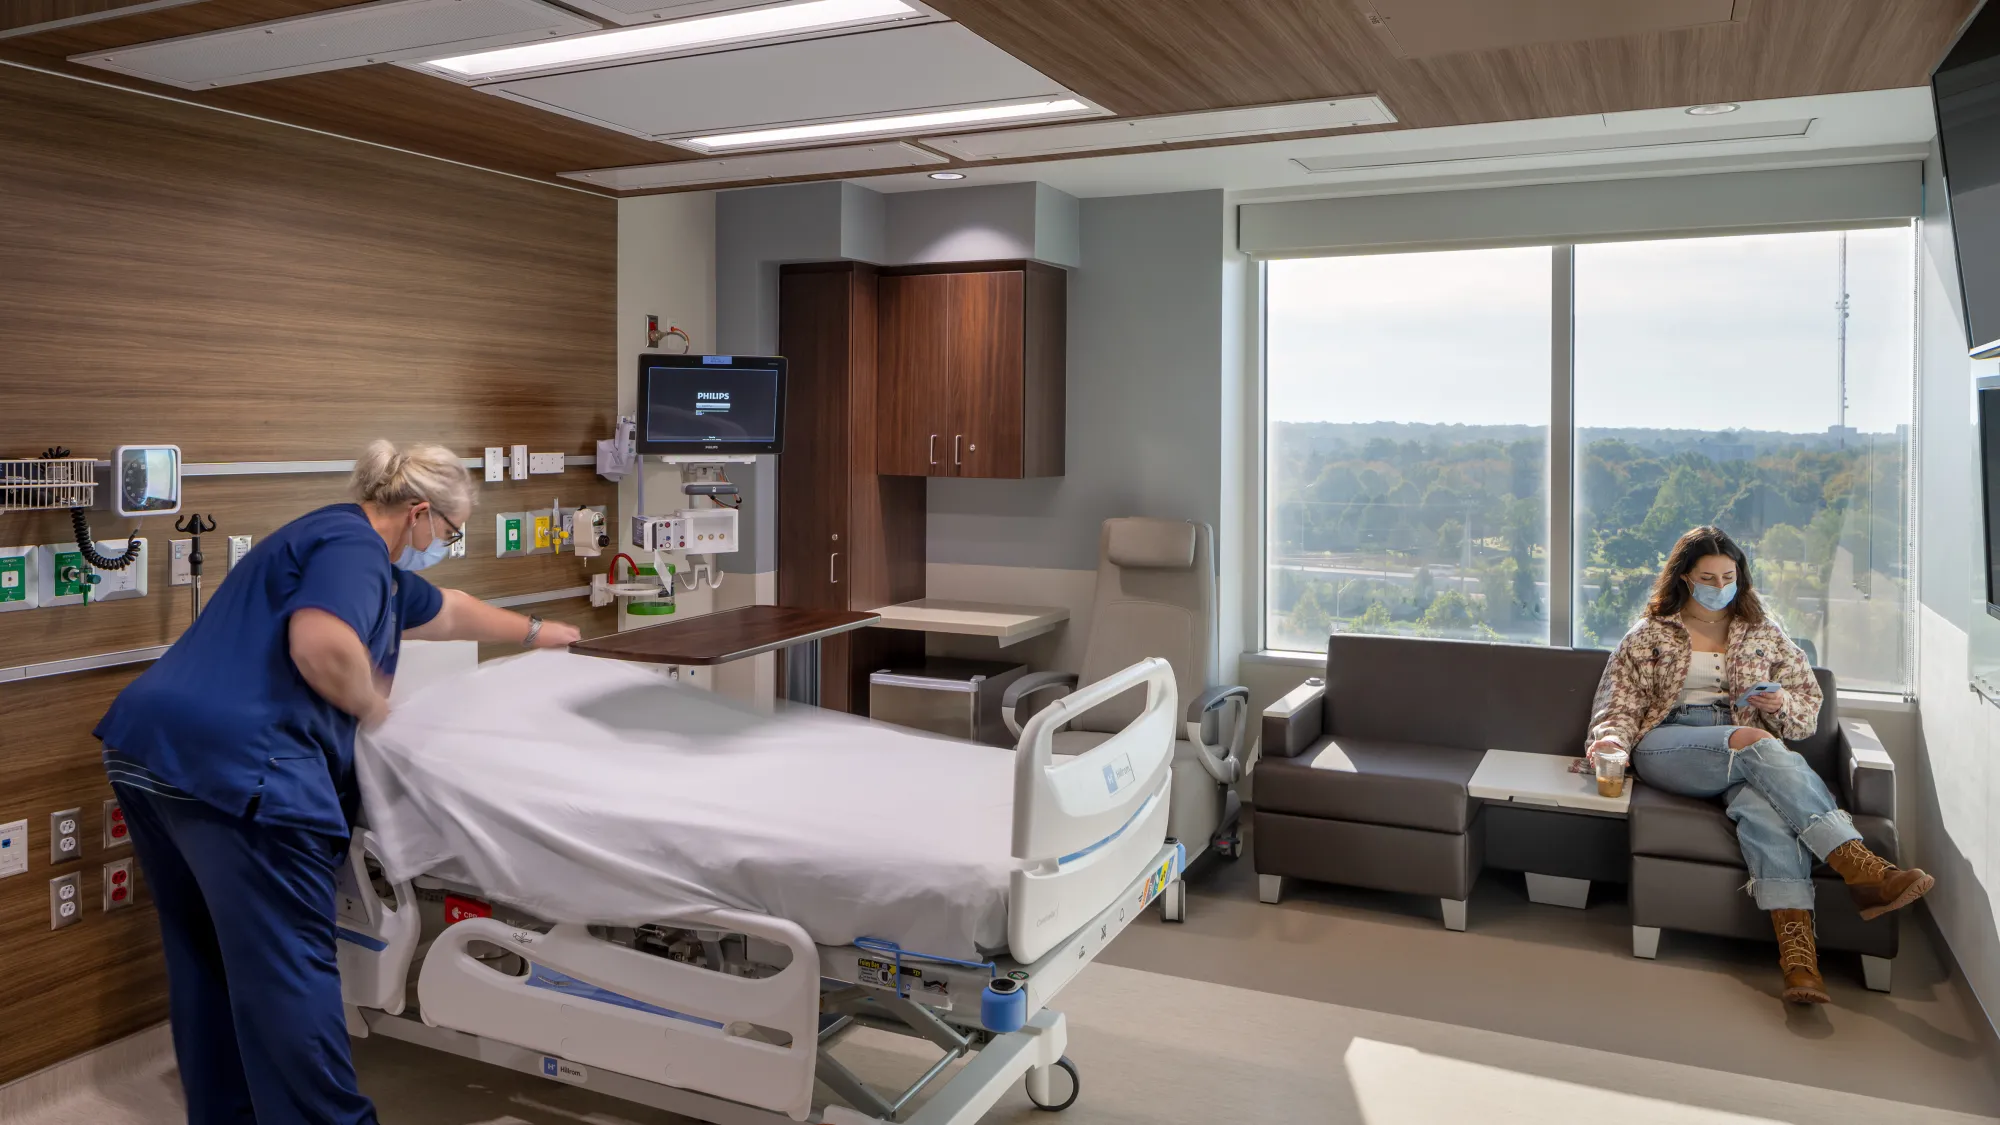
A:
{"points": [[1086, 826]]}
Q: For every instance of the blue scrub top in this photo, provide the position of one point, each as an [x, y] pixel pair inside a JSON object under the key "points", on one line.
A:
{"points": [[224, 716]]}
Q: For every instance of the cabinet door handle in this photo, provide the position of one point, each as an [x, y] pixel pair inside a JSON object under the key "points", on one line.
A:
{"points": [[933, 449], [831, 577], [956, 441]]}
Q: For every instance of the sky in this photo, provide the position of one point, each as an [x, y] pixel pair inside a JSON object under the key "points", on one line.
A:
{"points": [[1693, 333]]}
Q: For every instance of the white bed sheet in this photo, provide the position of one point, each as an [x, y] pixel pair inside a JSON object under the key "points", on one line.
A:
{"points": [[587, 790]]}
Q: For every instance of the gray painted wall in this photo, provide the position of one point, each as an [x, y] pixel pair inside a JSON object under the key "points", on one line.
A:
{"points": [[1947, 544], [972, 224], [1145, 389]]}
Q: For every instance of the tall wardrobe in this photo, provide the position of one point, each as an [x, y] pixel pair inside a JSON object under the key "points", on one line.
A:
{"points": [[895, 376]]}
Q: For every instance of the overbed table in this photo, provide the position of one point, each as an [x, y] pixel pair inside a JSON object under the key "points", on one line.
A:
{"points": [[731, 634]]}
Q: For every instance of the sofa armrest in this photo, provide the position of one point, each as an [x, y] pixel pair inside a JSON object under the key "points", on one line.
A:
{"points": [[1021, 689], [1865, 768], [1296, 721]]}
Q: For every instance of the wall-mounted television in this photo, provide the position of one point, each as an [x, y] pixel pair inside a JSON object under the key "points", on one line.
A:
{"points": [[722, 404], [1989, 479], [1965, 89]]}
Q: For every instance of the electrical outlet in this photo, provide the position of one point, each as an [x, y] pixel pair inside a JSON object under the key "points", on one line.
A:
{"points": [[13, 848], [239, 545], [65, 900], [496, 464], [118, 885], [544, 464], [116, 832], [180, 571], [517, 463], [18, 586], [66, 836]]}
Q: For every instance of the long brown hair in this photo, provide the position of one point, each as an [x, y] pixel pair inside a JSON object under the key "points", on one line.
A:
{"points": [[1670, 591]]}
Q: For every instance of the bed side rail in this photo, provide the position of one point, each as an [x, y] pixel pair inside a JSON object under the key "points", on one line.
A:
{"points": [[1086, 826], [1066, 805]]}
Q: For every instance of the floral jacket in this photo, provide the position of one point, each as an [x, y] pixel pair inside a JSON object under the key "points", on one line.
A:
{"points": [[1644, 678]]}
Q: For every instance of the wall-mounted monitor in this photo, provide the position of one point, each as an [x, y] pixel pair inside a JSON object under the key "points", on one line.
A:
{"points": [[1966, 90], [721, 404]]}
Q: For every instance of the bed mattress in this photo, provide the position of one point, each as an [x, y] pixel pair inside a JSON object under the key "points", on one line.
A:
{"points": [[594, 791]]}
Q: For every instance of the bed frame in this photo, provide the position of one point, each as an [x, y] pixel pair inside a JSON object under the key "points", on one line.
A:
{"points": [[744, 1028]]}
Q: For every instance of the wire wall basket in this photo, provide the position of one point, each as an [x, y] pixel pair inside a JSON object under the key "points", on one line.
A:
{"points": [[47, 483]]}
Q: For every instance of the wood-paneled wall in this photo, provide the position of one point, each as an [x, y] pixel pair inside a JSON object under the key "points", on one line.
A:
{"points": [[251, 293]]}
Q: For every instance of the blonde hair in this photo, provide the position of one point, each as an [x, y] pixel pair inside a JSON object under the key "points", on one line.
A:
{"points": [[389, 477]]}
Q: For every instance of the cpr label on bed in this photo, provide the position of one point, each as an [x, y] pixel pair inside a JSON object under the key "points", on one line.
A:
{"points": [[564, 1071]]}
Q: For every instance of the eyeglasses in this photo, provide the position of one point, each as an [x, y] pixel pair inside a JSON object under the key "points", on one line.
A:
{"points": [[457, 533]]}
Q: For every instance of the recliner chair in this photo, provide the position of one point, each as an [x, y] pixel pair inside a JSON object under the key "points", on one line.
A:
{"points": [[1156, 589]]}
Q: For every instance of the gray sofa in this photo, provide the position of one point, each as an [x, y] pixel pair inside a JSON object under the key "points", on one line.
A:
{"points": [[1363, 781]]}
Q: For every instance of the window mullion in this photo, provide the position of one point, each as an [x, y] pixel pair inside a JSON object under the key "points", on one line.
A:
{"points": [[1562, 597]]}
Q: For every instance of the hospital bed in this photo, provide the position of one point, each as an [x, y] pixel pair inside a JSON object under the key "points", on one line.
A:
{"points": [[704, 944]]}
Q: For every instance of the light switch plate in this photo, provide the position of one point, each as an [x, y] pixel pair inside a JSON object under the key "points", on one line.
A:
{"points": [[180, 570], [65, 900], [517, 463], [496, 464], [13, 848], [66, 836]]}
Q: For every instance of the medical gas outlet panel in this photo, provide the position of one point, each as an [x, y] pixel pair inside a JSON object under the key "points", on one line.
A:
{"points": [[700, 531], [57, 574]]}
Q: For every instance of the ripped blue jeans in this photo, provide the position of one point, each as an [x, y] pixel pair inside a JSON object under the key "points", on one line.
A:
{"points": [[1784, 815]]}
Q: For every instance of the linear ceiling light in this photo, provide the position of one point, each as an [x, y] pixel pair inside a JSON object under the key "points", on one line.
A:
{"points": [[883, 126], [680, 35]]}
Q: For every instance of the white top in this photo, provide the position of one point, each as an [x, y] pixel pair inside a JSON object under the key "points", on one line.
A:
{"points": [[1006, 623], [1704, 683], [585, 790], [1543, 779]]}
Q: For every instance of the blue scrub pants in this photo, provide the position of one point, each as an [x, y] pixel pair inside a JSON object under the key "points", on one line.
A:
{"points": [[247, 917]]}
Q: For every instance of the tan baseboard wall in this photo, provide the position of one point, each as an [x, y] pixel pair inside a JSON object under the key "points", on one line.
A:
{"points": [[149, 1052]]}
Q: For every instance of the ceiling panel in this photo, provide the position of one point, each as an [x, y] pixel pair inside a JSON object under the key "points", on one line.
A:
{"points": [[1415, 28], [1180, 128], [353, 36], [875, 72], [761, 166]]}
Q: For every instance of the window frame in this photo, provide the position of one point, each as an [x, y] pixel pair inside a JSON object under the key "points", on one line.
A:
{"points": [[1562, 463]]}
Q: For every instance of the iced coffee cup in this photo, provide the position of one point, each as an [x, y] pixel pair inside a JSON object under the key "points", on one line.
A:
{"points": [[1611, 772]]}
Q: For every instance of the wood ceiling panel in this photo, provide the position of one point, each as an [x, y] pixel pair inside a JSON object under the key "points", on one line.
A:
{"points": [[16, 14], [388, 105], [1170, 56], [1136, 57]]}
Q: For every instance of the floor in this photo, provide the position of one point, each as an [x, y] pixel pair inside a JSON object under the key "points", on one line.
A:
{"points": [[1344, 1006]]}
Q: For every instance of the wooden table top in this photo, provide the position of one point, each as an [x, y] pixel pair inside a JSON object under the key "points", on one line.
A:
{"points": [[718, 638]]}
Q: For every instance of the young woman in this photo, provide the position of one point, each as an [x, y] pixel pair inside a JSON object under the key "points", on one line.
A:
{"points": [[233, 759], [1669, 697]]}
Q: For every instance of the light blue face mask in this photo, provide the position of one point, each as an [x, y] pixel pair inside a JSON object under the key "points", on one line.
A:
{"points": [[1714, 599], [413, 559]]}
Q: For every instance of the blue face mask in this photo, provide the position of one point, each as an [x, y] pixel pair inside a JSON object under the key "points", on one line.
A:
{"points": [[413, 559], [1714, 599]]}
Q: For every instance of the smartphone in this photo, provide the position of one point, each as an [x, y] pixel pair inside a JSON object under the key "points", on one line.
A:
{"points": [[1757, 689]]}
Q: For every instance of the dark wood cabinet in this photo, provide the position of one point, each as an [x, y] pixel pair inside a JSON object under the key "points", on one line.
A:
{"points": [[848, 536], [971, 365]]}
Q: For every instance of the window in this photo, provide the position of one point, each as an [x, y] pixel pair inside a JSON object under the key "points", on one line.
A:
{"points": [[1763, 383], [1408, 452]]}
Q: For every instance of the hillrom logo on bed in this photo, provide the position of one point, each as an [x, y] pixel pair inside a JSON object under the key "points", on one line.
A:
{"points": [[563, 1071], [1118, 774]]}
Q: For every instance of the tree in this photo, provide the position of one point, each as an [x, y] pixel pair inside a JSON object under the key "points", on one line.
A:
{"points": [[1423, 589], [1375, 620], [1783, 543], [1449, 614], [1308, 618]]}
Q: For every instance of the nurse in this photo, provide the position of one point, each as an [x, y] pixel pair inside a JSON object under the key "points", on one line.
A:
{"points": [[233, 758]]}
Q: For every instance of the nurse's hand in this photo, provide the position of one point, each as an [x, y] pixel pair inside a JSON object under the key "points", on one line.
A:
{"points": [[557, 634], [376, 715]]}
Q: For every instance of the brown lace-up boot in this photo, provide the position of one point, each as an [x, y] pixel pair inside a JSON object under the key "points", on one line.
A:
{"points": [[1877, 885], [1798, 957]]}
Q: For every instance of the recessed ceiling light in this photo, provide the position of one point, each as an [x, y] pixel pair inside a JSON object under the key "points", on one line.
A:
{"points": [[1713, 109], [884, 126], [680, 35], [947, 175]]}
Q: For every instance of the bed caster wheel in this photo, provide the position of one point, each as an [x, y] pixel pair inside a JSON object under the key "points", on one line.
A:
{"points": [[1173, 902], [1041, 1081], [1229, 847]]}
